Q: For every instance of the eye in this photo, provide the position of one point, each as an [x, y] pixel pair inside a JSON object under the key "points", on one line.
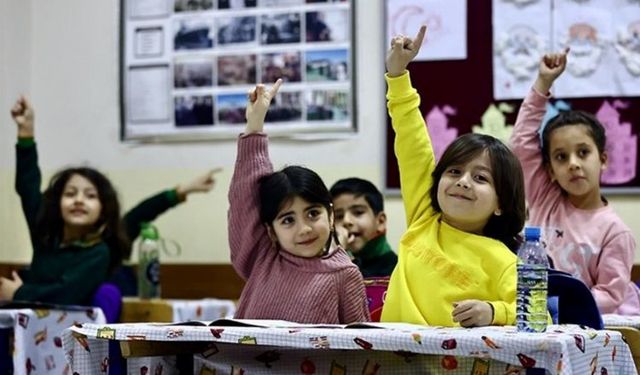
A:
{"points": [[358, 212], [287, 220], [314, 213], [560, 157], [481, 178], [583, 152], [453, 171], [69, 193], [339, 216], [92, 195]]}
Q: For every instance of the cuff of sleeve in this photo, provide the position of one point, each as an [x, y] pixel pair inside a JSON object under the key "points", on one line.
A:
{"points": [[172, 197], [399, 84], [500, 314], [538, 96], [26, 142]]}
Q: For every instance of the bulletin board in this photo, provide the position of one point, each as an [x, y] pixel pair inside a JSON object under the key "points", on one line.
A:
{"points": [[461, 93], [187, 65]]}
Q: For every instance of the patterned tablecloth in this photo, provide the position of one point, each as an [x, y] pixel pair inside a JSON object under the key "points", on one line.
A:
{"points": [[397, 349], [35, 337], [613, 320]]}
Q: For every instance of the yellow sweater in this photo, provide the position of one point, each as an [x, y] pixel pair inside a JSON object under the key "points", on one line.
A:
{"points": [[437, 263]]}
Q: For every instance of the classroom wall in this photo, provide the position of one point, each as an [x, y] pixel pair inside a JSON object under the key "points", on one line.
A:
{"points": [[64, 55]]}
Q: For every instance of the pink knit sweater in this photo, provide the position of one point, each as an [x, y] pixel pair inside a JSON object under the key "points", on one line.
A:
{"points": [[280, 285]]}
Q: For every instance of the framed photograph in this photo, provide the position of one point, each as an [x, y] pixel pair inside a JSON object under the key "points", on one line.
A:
{"points": [[187, 66]]}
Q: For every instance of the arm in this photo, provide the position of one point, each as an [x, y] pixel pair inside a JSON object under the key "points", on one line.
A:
{"points": [[28, 177], [525, 140], [75, 285], [412, 144], [613, 272], [149, 209], [248, 237], [504, 309], [353, 298]]}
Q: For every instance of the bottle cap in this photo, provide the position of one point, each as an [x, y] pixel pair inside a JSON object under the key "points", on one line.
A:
{"points": [[148, 231], [531, 233]]}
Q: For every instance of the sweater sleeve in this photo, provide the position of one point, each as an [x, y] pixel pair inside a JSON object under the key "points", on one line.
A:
{"points": [[28, 181], [248, 238], [613, 272], [353, 298], [412, 146], [147, 211], [525, 144], [504, 309], [76, 285]]}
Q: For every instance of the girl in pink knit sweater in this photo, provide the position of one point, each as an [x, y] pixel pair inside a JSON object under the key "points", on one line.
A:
{"points": [[282, 237]]}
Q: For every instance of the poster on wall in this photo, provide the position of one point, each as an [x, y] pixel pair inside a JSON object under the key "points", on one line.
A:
{"points": [[187, 66]]}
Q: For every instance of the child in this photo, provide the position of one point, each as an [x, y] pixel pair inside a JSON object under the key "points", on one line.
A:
{"points": [[282, 237], [455, 264], [359, 208], [584, 235], [75, 226]]}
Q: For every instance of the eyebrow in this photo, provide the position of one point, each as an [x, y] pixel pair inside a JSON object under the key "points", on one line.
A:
{"points": [[291, 212]]}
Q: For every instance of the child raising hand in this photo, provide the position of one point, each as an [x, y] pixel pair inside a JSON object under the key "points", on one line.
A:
{"points": [[455, 261], [564, 189], [282, 237]]}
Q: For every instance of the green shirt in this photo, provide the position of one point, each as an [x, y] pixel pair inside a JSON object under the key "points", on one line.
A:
{"points": [[376, 259]]}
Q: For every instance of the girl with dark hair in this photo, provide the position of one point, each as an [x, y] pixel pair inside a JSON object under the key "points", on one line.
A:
{"points": [[282, 237], [76, 230], [456, 264], [583, 234]]}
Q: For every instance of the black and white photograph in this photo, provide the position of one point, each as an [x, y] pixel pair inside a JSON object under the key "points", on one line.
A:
{"points": [[193, 33], [324, 105], [285, 65], [236, 4], [192, 5], [327, 65], [285, 107], [327, 26], [237, 30], [280, 28], [231, 109], [194, 110], [236, 70], [193, 74]]}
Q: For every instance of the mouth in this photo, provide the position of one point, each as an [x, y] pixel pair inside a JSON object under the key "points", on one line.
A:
{"points": [[78, 212], [577, 178], [308, 242], [460, 196]]}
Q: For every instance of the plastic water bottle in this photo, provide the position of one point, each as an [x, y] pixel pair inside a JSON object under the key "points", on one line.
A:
{"points": [[531, 303], [149, 262]]}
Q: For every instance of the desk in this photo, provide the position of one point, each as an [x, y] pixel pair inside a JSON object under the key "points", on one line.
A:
{"points": [[36, 335], [175, 310], [397, 349], [629, 326]]}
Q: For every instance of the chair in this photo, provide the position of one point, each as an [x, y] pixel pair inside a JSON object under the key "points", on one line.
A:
{"points": [[575, 303], [376, 289], [109, 299]]}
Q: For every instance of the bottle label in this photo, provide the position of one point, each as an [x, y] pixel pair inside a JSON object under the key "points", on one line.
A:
{"points": [[153, 272]]}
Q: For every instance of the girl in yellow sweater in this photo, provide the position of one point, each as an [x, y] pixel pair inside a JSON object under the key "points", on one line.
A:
{"points": [[464, 214]]}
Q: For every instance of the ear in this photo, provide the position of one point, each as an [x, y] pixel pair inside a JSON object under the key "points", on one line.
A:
{"points": [[271, 233], [604, 160], [381, 222]]}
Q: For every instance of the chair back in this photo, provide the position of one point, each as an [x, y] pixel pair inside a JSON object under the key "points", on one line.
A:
{"points": [[376, 289], [575, 303]]}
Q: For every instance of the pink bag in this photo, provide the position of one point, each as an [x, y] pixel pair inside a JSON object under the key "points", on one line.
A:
{"points": [[376, 289]]}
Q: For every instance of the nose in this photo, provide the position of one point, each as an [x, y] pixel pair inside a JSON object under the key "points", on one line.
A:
{"points": [[305, 228], [463, 181], [347, 220], [574, 162]]}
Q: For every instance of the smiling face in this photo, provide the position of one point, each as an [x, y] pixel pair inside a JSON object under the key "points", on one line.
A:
{"points": [[302, 228], [467, 196], [80, 205], [576, 164]]}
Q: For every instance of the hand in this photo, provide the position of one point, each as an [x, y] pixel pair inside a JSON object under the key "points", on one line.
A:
{"points": [[472, 313], [403, 49], [8, 287], [22, 114], [202, 184], [551, 66], [257, 106], [345, 239]]}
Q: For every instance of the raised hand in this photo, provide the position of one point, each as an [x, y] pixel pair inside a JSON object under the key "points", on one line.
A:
{"points": [[258, 104], [22, 114], [472, 313], [403, 49], [551, 67], [200, 184]]}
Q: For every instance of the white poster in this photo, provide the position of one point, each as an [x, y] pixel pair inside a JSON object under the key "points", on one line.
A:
{"points": [[148, 94], [446, 22], [521, 36], [627, 47]]}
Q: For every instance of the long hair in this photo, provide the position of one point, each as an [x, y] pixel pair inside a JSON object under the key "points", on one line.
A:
{"points": [[278, 188], [572, 118], [507, 178], [49, 222]]}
